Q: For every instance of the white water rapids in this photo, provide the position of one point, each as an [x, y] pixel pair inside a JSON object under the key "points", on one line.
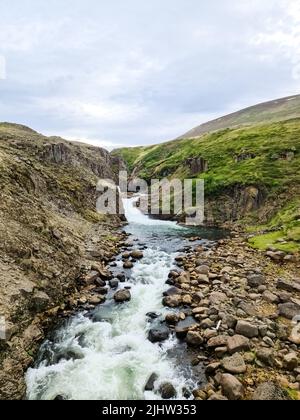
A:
{"points": [[113, 357]]}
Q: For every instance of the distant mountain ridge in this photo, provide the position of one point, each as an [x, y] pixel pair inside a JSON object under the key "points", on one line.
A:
{"points": [[272, 111]]}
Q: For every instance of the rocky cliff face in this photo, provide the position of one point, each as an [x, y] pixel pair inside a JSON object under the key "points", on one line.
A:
{"points": [[49, 228]]}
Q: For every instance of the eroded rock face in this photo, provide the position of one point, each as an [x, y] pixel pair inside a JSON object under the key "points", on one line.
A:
{"points": [[197, 165]]}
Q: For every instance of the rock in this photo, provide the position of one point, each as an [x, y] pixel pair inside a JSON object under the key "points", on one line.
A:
{"points": [[59, 398], [232, 387], [114, 284], [290, 361], [216, 298], [96, 300], [203, 279], [183, 327], [234, 364], [276, 255], [270, 297], [256, 280], [151, 381], [121, 277], [219, 341], [295, 335], [246, 329], [288, 286], [91, 278], [186, 300], [172, 291], [211, 369], [158, 334], [217, 397], [172, 301], [128, 265], [172, 318], [40, 300], [269, 391], [202, 269], [238, 343], [248, 308], [100, 283], [194, 339], [289, 310], [167, 391], [266, 356], [137, 255], [122, 296]]}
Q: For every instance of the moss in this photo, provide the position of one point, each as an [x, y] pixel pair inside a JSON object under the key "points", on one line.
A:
{"points": [[293, 394], [271, 239]]}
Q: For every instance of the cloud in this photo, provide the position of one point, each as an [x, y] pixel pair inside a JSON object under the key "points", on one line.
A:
{"points": [[142, 72]]}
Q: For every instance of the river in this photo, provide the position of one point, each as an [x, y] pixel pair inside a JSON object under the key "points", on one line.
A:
{"points": [[105, 354]]}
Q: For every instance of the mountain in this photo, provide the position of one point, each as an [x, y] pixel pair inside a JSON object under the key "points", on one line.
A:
{"points": [[48, 222], [251, 170], [272, 111]]}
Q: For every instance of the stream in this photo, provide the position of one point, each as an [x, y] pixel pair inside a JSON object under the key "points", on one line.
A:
{"points": [[104, 354]]}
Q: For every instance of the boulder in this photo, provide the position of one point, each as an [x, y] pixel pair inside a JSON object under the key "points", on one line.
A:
{"points": [[172, 291], [183, 327], [158, 334], [123, 295], [247, 329], [194, 339], [290, 361], [151, 381], [40, 300], [288, 286], [128, 265], [121, 277], [172, 301], [266, 356], [270, 297], [232, 387], [114, 284], [289, 310], [167, 391], [137, 255], [256, 280], [216, 298], [238, 343], [91, 277], [172, 318], [219, 341], [202, 269], [269, 391], [276, 255], [234, 364]]}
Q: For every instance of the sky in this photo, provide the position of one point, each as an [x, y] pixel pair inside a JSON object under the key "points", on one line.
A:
{"points": [[130, 72]]}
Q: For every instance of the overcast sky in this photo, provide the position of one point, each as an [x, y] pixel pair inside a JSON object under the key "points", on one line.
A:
{"points": [[129, 72]]}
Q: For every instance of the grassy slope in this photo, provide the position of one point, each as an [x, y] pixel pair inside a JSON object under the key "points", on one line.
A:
{"points": [[267, 142]]}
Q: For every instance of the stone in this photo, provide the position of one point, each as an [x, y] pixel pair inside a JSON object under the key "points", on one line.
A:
{"points": [[256, 280], [288, 286], [290, 361], [114, 284], [186, 300], [203, 279], [121, 277], [248, 308], [217, 397], [211, 369], [128, 265], [202, 269], [99, 282], [172, 291], [91, 277], [270, 297], [167, 391], [246, 329], [183, 327], [289, 310], [269, 391], [172, 301], [238, 343], [276, 255], [219, 341], [266, 356], [158, 334], [232, 388], [216, 298], [137, 255], [151, 381], [40, 300], [234, 364], [194, 339], [172, 318], [96, 300], [295, 335], [123, 295]]}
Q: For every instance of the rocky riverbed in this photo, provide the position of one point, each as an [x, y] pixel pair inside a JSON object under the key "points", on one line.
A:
{"points": [[235, 307]]}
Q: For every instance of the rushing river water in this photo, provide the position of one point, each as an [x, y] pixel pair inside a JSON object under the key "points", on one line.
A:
{"points": [[105, 355]]}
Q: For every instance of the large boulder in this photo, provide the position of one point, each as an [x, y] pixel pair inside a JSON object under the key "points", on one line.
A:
{"points": [[232, 388], [246, 329], [183, 327], [289, 310], [256, 280], [172, 301], [234, 364], [238, 343], [194, 339], [158, 334], [167, 391], [123, 295], [151, 381], [288, 286], [269, 391], [137, 255]]}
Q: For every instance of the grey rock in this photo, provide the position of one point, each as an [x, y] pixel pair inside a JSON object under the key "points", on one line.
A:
{"points": [[232, 388], [269, 391], [256, 280], [238, 343], [270, 297], [290, 361], [234, 364], [151, 381], [167, 391], [266, 356], [158, 334], [288, 286], [194, 339], [289, 310], [122, 296], [246, 329]]}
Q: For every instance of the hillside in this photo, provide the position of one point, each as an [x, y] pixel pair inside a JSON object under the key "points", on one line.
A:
{"points": [[272, 111], [48, 226], [252, 174]]}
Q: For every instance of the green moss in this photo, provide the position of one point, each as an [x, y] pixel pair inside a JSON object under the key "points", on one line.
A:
{"points": [[294, 395], [271, 239]]}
